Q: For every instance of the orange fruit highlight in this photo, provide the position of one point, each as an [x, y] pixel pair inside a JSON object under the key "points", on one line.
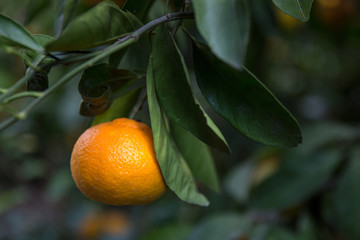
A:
{"points": [[115, 163]]}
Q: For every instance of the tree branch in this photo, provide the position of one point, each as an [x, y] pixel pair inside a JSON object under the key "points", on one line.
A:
{"points": [[118, 45]]}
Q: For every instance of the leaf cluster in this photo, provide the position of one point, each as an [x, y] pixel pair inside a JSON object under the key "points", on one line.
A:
{"points": [[124, 59]]}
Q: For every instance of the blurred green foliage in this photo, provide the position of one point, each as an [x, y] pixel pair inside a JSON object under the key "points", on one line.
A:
{"points": [[309, 192]]}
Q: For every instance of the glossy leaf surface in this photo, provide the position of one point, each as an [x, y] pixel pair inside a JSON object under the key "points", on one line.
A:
{"points": [[13, 34], [244, 101], [173, 90], [225, 25], [176, 172], [299, 9], [100, 25], [198, 156]]}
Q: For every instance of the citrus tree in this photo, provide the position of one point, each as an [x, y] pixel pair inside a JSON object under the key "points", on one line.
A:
{"points": [[181, 67]]}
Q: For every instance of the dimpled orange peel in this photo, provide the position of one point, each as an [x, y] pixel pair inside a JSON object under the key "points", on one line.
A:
{"points": [[115, 163]]}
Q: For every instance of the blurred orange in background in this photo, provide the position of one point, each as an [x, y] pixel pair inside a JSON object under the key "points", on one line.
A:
{"points": [[107, 223], [336, 13]]}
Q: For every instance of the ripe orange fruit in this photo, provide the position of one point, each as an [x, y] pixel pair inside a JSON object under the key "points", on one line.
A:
{"points": [[115, 163], [121, 3]]}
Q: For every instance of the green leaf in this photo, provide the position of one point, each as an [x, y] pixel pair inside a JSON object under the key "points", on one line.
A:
{"points": [[215, 129], [102, 24], [174, 168], [306, 167], [13, 34], [307, 229], [259, 231], [262, 15], [171, 231], [244, 101], [297, 179], [324, 134], [347, 198], [225, 25], [120, 107], [133, 57], [138, 7], [69, 12], [197, 155], [278, 233], [189, 27], [96, 86], [174, 92], [224, 226], [238, 181], [35, 8], [299, 9], [42, 40]]}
